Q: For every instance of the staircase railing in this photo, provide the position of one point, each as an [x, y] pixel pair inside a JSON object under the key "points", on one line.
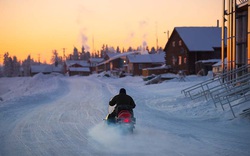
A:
{"points": [[226, 88], [200, 89]]}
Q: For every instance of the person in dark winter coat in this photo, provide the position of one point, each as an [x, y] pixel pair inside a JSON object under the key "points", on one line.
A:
{"points": [[120, 100]]}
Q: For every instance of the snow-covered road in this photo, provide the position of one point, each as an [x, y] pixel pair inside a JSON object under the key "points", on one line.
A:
{"points": [[52, 115]]}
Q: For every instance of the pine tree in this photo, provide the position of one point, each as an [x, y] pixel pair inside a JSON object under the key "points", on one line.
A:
{"points": [[26, 66], [15, 67], [7, 69], [118, 49], [75, 54]]}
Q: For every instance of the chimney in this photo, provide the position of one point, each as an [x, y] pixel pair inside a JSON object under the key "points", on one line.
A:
{"points": [[218, 23]]}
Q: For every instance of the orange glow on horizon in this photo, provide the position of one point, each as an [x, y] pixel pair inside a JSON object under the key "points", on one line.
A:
{"points": [[37, 28]]}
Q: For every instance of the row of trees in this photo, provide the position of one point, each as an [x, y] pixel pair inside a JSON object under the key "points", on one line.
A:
{"points": [[106, 48], [12, 67], [85, 55]]}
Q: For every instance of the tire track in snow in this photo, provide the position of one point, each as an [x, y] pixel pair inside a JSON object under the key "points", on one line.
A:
{"points": [[62, 126]]}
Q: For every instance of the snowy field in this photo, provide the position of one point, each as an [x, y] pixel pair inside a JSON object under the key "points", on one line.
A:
{"points": [[55, 115]]}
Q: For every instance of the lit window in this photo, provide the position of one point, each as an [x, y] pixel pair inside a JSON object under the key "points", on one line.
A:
{"points": [[180, 57], [173, 43], [185, 60], [173, 60], [180, 43]]}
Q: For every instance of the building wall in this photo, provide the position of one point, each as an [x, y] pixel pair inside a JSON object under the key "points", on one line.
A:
{"points": [[136, 68], [115, 64], [241, 37], [180, 58], [80, 73], [148, 72], [176, 53], [196, 56], [238, 30], [248, 30]]}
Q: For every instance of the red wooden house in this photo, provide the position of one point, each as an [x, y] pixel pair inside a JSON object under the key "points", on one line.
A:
{"points": [[188, 45], [114, 61], [136, 63]]}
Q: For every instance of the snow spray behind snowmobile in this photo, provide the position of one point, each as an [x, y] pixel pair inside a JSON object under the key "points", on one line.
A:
{"points": [[121, 116]]}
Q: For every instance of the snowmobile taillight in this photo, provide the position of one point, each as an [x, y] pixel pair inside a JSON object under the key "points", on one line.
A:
{"points": [[126, 120]]}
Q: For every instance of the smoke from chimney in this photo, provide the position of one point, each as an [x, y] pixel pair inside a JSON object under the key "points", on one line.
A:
{"points": [[84, 40]]}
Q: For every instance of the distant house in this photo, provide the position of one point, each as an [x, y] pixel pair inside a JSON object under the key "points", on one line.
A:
{"points": [[77, 67], [45, 69], [42, 68], [93, 62], [217, 67], [114, 61], [204, 66], [136, 63], [188, 45], [156, 70]]}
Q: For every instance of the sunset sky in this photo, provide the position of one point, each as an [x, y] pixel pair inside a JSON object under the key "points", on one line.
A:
{"points": [[37, 27]]}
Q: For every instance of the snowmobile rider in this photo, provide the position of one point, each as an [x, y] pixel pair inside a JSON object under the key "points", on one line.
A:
{"points": [[122, 99]]}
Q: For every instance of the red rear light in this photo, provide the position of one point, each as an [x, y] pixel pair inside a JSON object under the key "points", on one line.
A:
{"points": [[126, 120]]}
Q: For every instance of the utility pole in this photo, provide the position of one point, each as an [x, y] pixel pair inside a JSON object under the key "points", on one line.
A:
{"points": [[167, 34], [64, 57], [93, 44], [39, 58], [156, 34]]}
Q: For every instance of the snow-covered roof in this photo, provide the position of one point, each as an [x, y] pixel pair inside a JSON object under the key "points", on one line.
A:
{"points": [[209, 61], [164, 66], [80, 62], [119, 55], [219, 63], [57, 68], [200, 38], [81, 69], [148, 58], [112, 54], [158, 57], [96, 59], [43, 68], [139, 58]]}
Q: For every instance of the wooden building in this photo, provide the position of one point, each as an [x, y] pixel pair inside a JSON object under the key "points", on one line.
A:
{"points": [[236, 17], [77, 67], [136, 63], [114, 61], [188, 45], [93, 62], [45, 69]]}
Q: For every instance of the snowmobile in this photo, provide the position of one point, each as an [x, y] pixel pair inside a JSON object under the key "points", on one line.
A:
{"points": [[121, 116]]}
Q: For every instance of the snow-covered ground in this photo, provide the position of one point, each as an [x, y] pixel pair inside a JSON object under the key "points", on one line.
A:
{"points": [[56, 115]]}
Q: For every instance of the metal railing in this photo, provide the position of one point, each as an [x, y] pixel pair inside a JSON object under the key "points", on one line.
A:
{"points": [[238, 2], [227, 88]]}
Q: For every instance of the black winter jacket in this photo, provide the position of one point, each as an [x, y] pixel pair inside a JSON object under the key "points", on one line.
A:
{"points": [[122, 99]]}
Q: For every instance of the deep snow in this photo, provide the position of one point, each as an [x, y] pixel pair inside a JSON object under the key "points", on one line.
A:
{"points": [[57, 115]]}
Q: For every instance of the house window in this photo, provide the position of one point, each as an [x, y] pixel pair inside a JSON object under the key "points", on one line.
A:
{"points": [[173, 43], [111, 65], [180, 59], [173, 60], [182, 50], [180, 43], [185, 60]]}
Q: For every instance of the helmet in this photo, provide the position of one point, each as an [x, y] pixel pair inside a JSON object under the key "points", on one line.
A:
{"points": [[122, 90]]}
